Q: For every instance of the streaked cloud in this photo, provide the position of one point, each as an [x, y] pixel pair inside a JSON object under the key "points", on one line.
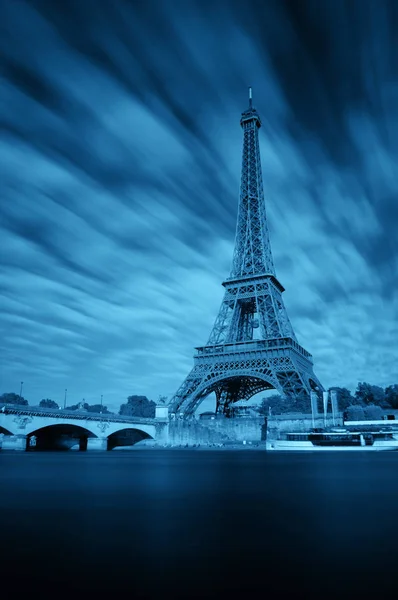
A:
{"points": [[120, 161]]}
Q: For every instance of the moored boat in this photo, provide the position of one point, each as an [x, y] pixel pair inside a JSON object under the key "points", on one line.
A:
{"points": [[334, 441]]}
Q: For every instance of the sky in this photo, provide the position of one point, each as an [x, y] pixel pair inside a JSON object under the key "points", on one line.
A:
{"points": [[120, 157]]}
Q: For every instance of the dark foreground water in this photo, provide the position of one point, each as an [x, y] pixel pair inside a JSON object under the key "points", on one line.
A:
{"points": [[186, 524]]}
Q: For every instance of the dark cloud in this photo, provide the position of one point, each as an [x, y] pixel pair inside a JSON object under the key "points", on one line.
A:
{"points": [[119, 170]]}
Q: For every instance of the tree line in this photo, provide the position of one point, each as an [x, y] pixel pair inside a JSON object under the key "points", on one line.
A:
{"points": [[136, 406], [368, 401]]}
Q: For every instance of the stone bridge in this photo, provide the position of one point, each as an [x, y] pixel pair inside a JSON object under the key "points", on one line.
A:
{"points": [[25, 427]]}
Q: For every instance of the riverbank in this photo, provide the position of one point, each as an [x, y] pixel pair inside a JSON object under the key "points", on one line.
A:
{"points": [[197, 447]]}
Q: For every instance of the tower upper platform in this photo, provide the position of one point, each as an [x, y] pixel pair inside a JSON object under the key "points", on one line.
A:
{"points": [[250, 115]]}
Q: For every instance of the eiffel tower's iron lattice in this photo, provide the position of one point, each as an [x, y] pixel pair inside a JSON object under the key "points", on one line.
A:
{"points": [[252, 346]]}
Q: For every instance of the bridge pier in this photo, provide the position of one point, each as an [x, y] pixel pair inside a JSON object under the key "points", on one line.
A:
{"points": [[14, 442], [97, 443], [162, 432]]}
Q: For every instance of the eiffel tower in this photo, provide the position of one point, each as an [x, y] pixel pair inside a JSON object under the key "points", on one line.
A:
{"points": [[252, 346]]}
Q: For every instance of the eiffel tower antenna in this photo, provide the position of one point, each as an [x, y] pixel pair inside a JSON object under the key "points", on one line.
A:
{"points": [[252, 346]]}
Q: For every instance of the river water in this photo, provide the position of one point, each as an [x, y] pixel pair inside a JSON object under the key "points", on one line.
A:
{"points": [[199, 524]]}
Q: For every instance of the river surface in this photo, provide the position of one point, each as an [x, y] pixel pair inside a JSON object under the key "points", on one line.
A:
{"points": [[199, 524]]}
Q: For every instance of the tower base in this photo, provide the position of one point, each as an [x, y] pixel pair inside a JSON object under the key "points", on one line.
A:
{"points": [[241, 370]]}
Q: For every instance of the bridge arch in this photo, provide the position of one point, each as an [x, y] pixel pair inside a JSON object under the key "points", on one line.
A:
{"points": [[59, 436], [109, 428], [5, 431], [127, 436], [37, 423], [254, 382]]}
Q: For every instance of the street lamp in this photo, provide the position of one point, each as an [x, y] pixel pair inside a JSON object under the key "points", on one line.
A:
{"points": [[65, 398], [101, 403], [20, 393]]}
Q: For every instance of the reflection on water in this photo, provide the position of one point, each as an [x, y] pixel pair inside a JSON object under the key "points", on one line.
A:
{"points": [[201, 524]]}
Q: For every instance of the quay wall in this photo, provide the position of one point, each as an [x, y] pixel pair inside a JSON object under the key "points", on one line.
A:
{"points": [[281, 423], [239, 429], [190, 433], [214, 431]]}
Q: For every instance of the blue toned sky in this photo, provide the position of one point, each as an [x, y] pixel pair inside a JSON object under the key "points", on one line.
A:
{"points": [[120, 155]]}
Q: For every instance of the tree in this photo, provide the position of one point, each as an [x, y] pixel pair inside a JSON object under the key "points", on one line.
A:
{"points": [[47, 403], [138, 406], [373, 412], [97, 408], [284, 404], [93, 408], [79, 406], [355, 413], [274, 402], [11, 398], [344, 398], [369, 394], [391, 395]]}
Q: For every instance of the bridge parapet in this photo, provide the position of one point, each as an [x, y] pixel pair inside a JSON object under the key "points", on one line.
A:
{"points": [[56, 413]]}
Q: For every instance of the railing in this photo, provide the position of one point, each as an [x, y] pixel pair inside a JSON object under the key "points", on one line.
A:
{"points": [[250, 346], [38, 411]]}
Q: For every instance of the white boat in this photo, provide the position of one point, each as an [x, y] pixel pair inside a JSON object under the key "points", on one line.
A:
{"points": [[333, 441]]}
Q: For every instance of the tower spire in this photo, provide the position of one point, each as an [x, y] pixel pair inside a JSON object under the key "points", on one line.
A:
{"points": [[252, 254]]}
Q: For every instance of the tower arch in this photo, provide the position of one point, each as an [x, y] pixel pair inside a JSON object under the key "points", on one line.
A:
{"points": [[230, 388]]}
